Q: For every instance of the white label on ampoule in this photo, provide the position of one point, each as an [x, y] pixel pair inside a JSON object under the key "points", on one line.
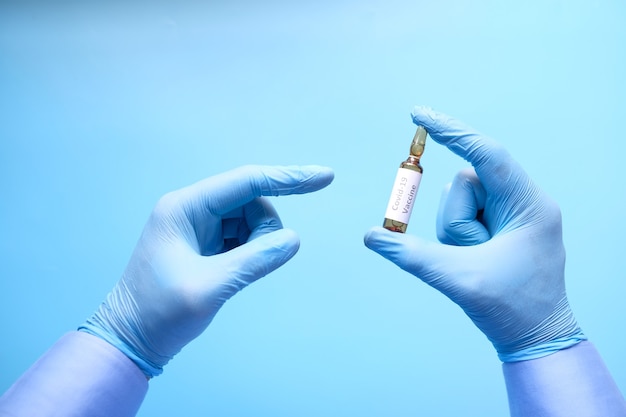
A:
{"points": [[403, 195]]}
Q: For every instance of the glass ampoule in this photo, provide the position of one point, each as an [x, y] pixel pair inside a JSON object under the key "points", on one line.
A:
{"points": [[405, 186]]}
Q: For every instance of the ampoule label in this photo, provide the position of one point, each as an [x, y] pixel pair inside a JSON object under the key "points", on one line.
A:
{"points": [[403, 195]]}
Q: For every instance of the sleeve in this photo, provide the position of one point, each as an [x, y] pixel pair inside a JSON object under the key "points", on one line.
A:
{"points": [[80, 375], [571, 382]]}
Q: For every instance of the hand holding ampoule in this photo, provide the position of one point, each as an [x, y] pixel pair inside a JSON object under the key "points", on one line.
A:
{"points": [[502, 260], [480, 263]]}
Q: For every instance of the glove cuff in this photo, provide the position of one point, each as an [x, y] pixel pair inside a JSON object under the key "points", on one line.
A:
{"points": [[558, 331], [115, 323], [543, 349]]}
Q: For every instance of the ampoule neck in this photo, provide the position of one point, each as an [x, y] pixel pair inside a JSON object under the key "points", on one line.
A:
{"points": [[412, 159], [412, 163]]}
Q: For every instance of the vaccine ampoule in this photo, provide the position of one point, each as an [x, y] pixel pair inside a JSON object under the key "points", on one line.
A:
{"points": [[405, 186]]}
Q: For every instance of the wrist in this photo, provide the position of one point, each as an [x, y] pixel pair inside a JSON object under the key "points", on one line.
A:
{"points": [[80, 375], [91, 327], [571, 382]]}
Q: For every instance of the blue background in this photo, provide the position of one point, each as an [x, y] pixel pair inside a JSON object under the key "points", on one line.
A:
{"points": [[104, 107]]}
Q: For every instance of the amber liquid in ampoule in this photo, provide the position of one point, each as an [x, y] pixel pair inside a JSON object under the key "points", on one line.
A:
{"points": [[405, 186]]}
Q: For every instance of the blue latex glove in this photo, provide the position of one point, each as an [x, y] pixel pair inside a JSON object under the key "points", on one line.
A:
{"points": [[502, 258], [201, 245]]}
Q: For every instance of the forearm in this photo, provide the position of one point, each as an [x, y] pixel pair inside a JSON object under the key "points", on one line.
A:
{"points": [[571, 382], [81, 375]]}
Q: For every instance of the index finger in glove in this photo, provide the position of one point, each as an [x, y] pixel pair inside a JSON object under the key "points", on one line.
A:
{"points": [[225, 192], [495, 167]]}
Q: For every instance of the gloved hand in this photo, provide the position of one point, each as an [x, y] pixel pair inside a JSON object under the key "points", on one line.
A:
{"points": [[501, 257], [201, 245]]}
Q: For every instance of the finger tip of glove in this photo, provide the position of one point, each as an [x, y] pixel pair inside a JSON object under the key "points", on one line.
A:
{"points": [[423, 116], [285, 242], [288, 236], [317, 176], [373, 236], [290, 243], [326, 174], [287, 239]]}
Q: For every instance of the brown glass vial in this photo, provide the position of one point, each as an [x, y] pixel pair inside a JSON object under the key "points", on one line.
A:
{"points": [[405, 186]]}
